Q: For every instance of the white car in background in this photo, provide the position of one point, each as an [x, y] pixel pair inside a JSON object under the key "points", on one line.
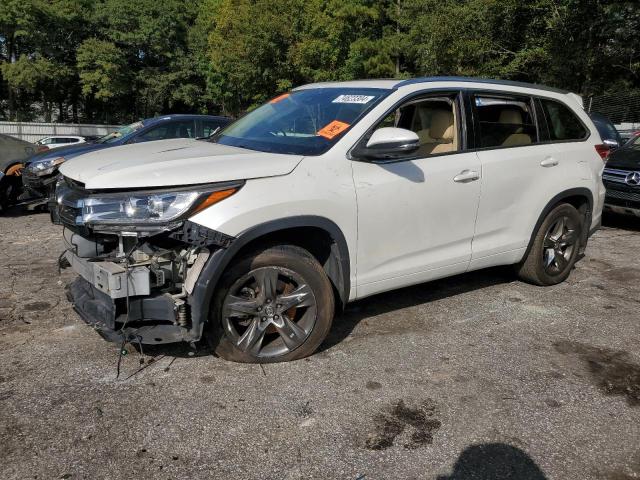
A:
{"points": [[253, 238], [56, 141]]}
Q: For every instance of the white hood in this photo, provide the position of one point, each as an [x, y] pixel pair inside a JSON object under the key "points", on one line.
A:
{"points": [[177, 162]]}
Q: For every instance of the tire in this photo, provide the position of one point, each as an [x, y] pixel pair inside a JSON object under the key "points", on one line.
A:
{"points": [[10, 188], [274, 305], [555, 247]]}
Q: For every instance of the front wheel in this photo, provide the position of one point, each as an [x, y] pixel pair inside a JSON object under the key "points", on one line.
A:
{"points": [[555, 246], [10, 186], [275, 305]]}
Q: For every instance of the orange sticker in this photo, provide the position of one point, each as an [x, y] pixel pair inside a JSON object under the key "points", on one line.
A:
{"points": [[334, 128], [279, 98]]}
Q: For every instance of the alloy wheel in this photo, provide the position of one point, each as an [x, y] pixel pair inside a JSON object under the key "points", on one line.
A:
{"points": [[559, 244], [269, 312]]}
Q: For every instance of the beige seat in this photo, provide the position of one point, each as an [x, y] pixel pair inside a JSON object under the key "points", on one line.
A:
{"points": [[514, 117], [439, 136]]}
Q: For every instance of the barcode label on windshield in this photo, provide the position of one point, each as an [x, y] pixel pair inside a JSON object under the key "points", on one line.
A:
{"points": [[353, 99]]}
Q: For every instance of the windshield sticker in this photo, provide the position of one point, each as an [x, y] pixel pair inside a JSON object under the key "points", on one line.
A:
{"points": [[353, 99], [279, 98], [332, 129]]}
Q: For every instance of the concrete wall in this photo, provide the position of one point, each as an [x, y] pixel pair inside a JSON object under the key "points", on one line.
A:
{"points": [[32, 132]]}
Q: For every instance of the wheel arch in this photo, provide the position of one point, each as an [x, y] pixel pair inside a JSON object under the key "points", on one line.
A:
{"points": [[13, 167], [581, 198], [321, 236]]}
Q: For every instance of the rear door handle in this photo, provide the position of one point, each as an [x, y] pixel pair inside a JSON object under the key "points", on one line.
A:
{"points": [[466, 176], [549, 162]]}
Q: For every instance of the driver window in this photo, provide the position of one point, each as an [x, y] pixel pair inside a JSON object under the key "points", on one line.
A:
{"points": [[434, 120]]}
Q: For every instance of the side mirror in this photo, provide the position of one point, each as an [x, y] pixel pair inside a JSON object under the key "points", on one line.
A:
{"points": [[388, 143], [611, 143]]}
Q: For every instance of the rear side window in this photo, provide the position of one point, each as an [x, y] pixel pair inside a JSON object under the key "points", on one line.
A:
{"points": [[562, 122], [505, 121], [182, 129]]}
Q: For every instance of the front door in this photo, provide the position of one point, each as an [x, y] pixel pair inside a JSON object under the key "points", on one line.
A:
{"points": [[416, 217]]}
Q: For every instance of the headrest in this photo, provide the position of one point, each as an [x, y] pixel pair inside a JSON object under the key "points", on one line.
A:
{"points": [[423, 117], [511, 115], [442, 124]]}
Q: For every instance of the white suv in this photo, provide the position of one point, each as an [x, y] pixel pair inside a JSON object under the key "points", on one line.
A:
{"points": [[255, 237]]}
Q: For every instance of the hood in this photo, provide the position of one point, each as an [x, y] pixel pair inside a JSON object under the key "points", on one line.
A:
{"points": [[177, 162], [625, 158], [67, 152]]}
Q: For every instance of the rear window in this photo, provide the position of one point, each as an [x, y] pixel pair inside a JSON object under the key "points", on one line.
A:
{"points": [[505, 121], [562, 122]]}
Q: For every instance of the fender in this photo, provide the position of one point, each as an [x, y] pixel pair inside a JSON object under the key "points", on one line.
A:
{"points": [[573, 192], [337, 266]]}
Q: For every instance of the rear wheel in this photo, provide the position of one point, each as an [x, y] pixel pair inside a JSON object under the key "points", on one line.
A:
{"points": [[275, 305], [555, 247]]}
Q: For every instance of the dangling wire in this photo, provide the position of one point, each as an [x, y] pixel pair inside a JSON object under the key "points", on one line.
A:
{"points": [[125, 337]]}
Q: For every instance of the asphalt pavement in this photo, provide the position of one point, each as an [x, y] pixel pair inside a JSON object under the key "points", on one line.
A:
{"points": [[479, 376]]}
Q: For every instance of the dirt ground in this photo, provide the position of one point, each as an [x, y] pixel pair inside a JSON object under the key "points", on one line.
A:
{"points": [[478, 376]]}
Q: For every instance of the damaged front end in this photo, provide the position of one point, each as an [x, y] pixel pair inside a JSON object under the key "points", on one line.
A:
{"points": [[138, 258]]}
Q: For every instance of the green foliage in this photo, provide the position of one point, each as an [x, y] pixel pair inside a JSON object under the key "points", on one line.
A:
{"points": [[117, 60], [102, 69]]}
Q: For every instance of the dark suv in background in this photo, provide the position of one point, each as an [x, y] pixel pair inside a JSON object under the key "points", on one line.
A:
{"points": [[41, 170], [622, 179]]}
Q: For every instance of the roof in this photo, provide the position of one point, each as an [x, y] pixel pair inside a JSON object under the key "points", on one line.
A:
{"points": [[184, 116], [398, 83]]}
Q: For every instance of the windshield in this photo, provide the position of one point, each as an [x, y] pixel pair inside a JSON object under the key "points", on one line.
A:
{"points": [[305, 122], [121, 132]]}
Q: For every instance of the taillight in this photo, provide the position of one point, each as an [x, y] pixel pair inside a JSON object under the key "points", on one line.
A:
{"points": [[603, 151]]}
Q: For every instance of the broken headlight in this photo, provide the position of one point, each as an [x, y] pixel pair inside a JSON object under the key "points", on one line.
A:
{"points": [[151, 208]]}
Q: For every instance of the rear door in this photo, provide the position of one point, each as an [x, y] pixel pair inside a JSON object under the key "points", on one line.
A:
{"points": [[167, 130], [207, 127], [520, 174]]}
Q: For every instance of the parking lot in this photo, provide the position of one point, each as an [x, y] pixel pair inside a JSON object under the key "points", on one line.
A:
{"points": [[478, 376]]}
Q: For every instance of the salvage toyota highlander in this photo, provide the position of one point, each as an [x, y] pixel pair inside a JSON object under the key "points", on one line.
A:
{"points": [[255, 237]]}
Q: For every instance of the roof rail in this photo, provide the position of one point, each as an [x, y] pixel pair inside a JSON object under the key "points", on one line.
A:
{"points": [[510, 83]]}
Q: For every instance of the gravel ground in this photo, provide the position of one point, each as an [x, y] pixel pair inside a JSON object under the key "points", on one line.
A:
{"points": [[474, 377]]}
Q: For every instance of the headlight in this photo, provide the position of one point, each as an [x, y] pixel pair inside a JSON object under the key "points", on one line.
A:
{"points": [[149, 209], [46, 167]]}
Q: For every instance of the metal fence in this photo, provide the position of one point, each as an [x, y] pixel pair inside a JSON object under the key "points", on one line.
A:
{"points": [[32, 132], [622, 108]]}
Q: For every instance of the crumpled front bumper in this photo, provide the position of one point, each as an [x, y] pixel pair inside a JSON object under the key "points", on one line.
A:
{"points": [[149, 320]]}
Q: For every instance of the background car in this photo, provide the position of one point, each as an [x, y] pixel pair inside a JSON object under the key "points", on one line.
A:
{"points": [[621, 176], [56, 141], [610, 136], [13, 153], [39, 175]]}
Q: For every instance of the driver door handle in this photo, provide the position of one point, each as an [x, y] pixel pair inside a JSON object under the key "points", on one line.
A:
{"points": [[549, 162], [466, 176]]}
